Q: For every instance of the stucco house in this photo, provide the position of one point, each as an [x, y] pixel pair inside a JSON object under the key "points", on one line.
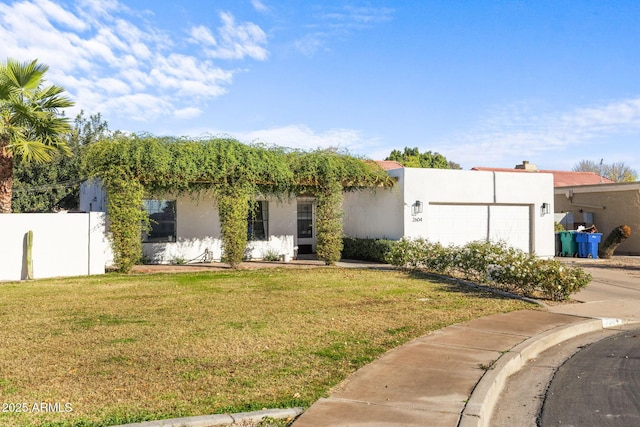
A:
{"points": [[448, 206], [456, 207]]}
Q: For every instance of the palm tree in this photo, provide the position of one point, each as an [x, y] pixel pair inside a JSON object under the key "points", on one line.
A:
{"points": [[30, 124]]}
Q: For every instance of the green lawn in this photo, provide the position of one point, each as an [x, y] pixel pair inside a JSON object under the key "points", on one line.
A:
{"points": [[111, 349]]}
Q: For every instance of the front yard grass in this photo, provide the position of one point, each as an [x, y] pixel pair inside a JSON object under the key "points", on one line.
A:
{"points": [[112, 349]]}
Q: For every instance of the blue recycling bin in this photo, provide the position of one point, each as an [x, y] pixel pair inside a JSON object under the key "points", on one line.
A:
{"points": [[588, 244]]}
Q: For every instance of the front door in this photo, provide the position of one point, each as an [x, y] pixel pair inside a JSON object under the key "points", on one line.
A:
{"points": [[306, 237]]}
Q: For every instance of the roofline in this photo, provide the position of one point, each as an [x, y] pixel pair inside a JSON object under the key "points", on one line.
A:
{"points": [[600, 188]]}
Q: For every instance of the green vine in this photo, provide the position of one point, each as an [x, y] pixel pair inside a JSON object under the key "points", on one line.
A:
{"points": [[233, 209], [134, 165], [329, 223], [128, 220]]}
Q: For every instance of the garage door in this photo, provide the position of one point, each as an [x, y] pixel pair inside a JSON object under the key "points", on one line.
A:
{"points": [[461, 224], [511, 224]]}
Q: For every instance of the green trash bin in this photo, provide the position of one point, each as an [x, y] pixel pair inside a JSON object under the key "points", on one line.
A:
{"points": [[569, 244]]}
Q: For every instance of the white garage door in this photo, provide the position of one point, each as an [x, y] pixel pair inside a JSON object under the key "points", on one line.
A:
{"points": [[511, 224], [461, 224]]}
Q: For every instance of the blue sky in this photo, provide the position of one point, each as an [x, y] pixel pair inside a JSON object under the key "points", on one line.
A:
{"points": [[485, 83]]}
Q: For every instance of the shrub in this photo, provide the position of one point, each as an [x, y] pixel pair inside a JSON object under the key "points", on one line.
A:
{"points": [[271, 255], [366, 249], [495, 264]]}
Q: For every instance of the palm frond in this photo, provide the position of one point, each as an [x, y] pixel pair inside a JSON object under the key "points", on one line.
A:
{"points": [[31, 151], [50, 98], [26, 75]]}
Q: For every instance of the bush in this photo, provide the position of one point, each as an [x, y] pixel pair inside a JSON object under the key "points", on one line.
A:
{"points": [[375, 250], [495, 264], [422, 254], [271, 255]]}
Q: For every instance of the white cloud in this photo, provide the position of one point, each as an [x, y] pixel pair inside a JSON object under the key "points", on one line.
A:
{"points": [[311, 43], [259, 6], [113, 61], [191, 77], [202, 34], [91, 10], [59, 15], [519, 131], [303, 137], [187, 113], [114, 87], [353, 17], [332, 23], [237, 41], [141, 106]]}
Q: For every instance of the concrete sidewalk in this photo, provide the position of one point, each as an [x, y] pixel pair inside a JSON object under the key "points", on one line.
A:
{"points": [[430, 380], [454, 376]]}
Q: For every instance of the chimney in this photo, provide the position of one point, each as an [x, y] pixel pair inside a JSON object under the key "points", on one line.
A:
{"points": [[530, 167]]}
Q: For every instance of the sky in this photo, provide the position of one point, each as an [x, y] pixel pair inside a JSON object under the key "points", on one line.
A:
{"points": [[484, 83]]}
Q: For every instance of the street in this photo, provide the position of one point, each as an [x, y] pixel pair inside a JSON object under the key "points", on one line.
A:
{"points": [[598, 386], [614, 293]]}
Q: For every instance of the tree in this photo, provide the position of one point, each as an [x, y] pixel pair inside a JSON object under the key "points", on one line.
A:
{"points": [[412, 158], [617, 171], [30, 120], [53, 186], [613, 240]]}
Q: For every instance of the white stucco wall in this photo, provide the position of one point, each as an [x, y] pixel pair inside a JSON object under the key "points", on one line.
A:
{"points": [[196, 217], [375, 214], [198, 232], [64, 244]]}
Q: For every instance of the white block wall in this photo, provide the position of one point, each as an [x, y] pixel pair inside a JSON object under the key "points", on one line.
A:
{"points": [[64, 244]]}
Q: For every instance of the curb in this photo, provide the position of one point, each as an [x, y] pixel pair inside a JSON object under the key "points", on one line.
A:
{"points": [[479, 408], [221, 419]]}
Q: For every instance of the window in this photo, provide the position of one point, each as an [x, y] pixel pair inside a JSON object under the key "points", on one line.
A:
{"points": [[305, 220], [258, 221], [162, 221]]}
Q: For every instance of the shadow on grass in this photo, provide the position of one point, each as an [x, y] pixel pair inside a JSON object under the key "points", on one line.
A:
{"points": [[452, 284]]}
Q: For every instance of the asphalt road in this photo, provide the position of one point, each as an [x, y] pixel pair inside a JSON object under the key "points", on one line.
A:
{"points": [[599, 386], [613, 293]]}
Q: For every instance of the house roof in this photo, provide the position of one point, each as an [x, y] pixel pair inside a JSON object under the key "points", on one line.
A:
{"points": [[389, 164], [560, 178]]}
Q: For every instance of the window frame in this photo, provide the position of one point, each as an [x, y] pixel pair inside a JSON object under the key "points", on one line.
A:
{"points": [[258, 220], [166, 234]]}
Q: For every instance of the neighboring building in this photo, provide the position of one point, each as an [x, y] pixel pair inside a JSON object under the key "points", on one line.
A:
{"points": [[586, 199], [606, 206], [560, 178], [443, 205]]}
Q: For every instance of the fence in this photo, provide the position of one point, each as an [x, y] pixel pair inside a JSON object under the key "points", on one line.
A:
{"points": [[63, 244]]}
